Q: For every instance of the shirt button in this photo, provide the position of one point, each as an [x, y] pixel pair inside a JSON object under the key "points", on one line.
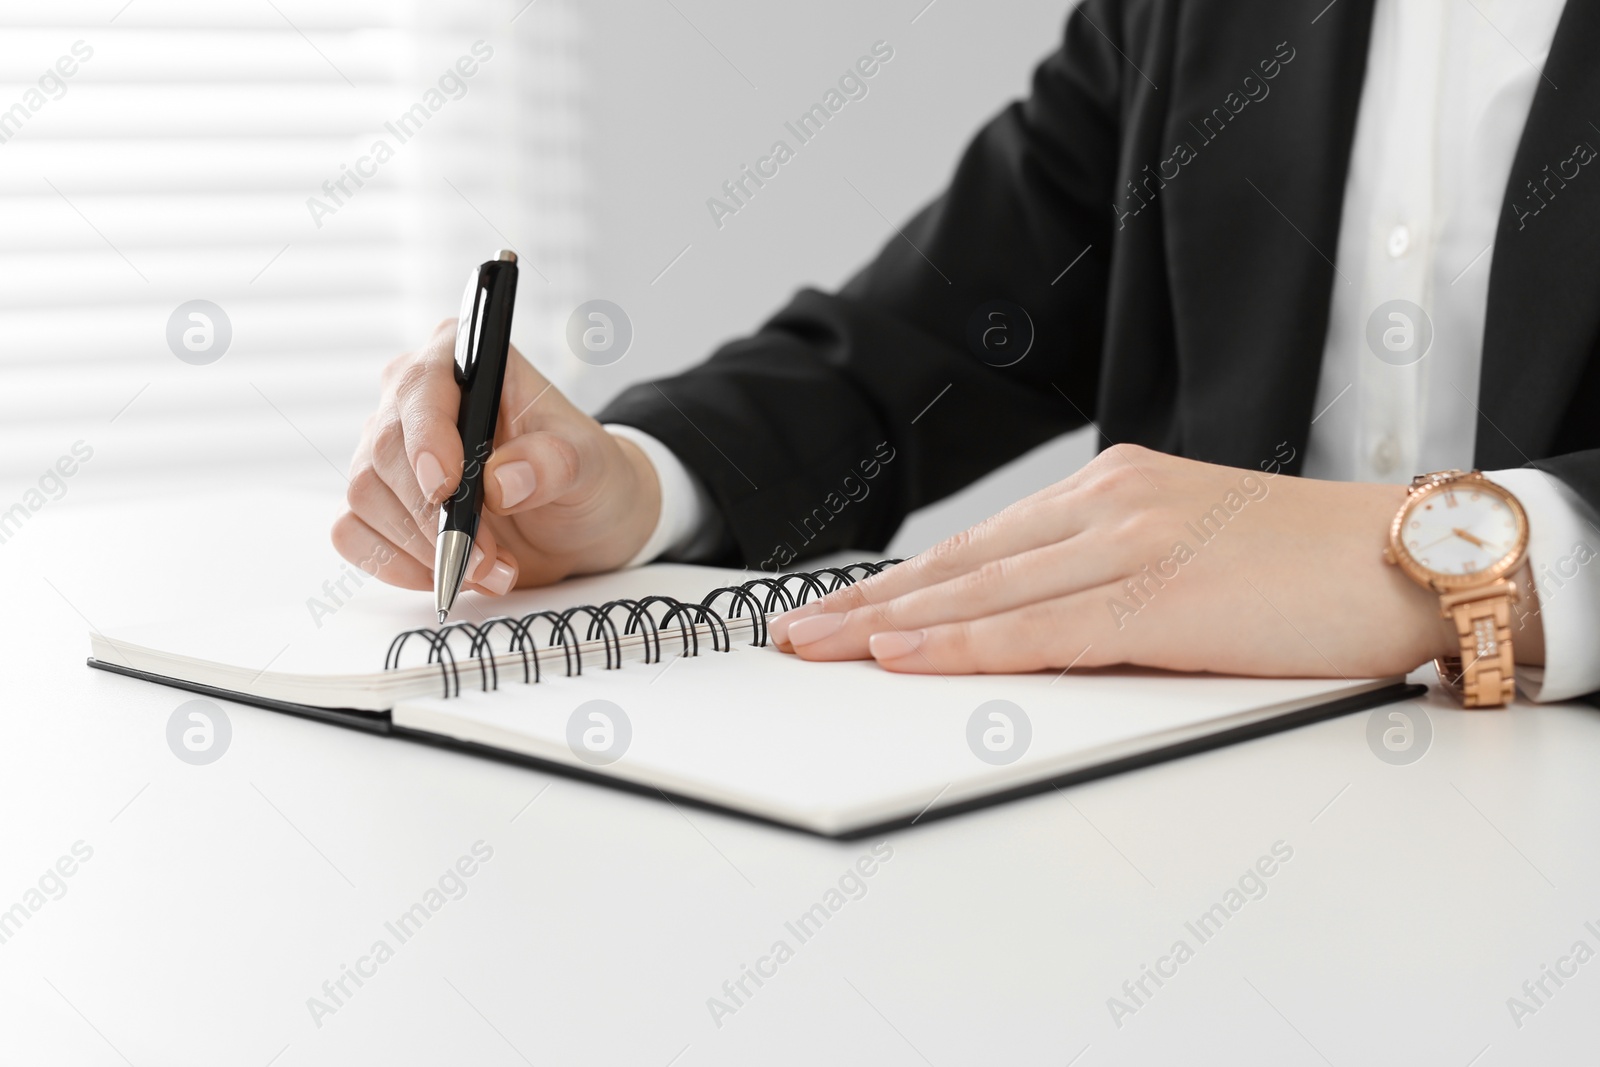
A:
{"points": [[1386, 455], [1399, 242]]}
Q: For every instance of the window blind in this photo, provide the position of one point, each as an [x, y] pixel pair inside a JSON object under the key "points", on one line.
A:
{"points": [[160, 152]]}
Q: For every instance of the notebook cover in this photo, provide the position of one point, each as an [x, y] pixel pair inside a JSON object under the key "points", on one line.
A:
{"points": [[379, 723]]}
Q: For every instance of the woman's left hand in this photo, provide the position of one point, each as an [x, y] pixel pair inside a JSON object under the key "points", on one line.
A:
{"points": [[1148, 559]]}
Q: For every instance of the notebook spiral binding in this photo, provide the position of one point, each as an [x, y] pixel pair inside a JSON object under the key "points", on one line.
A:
{"points": [[777, 595]]}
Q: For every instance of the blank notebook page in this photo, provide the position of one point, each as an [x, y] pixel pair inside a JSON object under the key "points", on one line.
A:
{"points": [[838, 746], [274, 647]]}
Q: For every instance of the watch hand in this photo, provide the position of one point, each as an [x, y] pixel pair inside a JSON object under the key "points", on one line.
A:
{"points": [[1465, 536]]}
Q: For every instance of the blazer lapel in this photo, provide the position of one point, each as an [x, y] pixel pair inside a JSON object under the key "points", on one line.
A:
{"points": [[1544, 282], [1253, 219]]}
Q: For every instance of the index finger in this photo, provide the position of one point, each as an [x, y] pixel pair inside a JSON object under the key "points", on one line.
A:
{"points": [[1028, 524], [428, 401]]}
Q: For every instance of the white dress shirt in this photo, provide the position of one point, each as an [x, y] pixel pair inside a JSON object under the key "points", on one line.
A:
{"points": [[1449, 84]]}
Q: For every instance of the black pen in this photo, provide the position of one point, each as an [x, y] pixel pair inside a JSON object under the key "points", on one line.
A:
{"points": [[483, 340]]}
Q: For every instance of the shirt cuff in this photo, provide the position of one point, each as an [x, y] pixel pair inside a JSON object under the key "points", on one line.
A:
{"points": [[1562, 535], [689, 527]]}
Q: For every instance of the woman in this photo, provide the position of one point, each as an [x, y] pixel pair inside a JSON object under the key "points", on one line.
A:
{"points": [[1249, 241]]}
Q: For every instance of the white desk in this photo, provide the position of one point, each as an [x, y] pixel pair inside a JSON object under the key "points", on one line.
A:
{"points": [[219, 898]]}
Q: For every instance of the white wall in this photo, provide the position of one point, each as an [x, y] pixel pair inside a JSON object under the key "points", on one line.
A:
{"points": [[669, 119]]}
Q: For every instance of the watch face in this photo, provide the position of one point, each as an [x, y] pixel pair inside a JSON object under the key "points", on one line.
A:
{"points": [[1463, 532]]}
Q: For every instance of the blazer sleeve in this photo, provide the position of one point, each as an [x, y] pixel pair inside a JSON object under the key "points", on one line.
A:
{"points": [[848, 410]]}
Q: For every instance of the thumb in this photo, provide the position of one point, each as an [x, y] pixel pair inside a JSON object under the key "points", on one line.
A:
{"points": [[530, 471]]}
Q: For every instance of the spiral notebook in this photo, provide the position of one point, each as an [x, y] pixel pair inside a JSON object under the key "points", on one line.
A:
{"points": [[661, 681]]}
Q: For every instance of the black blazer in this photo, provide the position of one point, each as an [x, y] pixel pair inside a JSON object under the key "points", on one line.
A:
{"points": [[1194, 320]]}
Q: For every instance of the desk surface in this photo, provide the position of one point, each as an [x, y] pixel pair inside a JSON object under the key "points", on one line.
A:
{"points": [[1407, 901]]}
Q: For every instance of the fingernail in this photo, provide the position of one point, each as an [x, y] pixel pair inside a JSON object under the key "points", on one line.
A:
{"points": [[814, 628], [517, 482], [894, 644], [499, 579], [474, 561], [430, 475], [778, 628]]}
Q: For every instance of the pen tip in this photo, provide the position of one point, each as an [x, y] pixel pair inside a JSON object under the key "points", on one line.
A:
{"points": [[442, 615]]}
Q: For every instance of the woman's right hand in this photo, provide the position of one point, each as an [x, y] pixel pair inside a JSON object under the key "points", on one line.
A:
{"points": [[561, 495]]}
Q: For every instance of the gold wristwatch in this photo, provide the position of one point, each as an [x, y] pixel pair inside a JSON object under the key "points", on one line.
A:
{"points": [[1462, 536]]}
